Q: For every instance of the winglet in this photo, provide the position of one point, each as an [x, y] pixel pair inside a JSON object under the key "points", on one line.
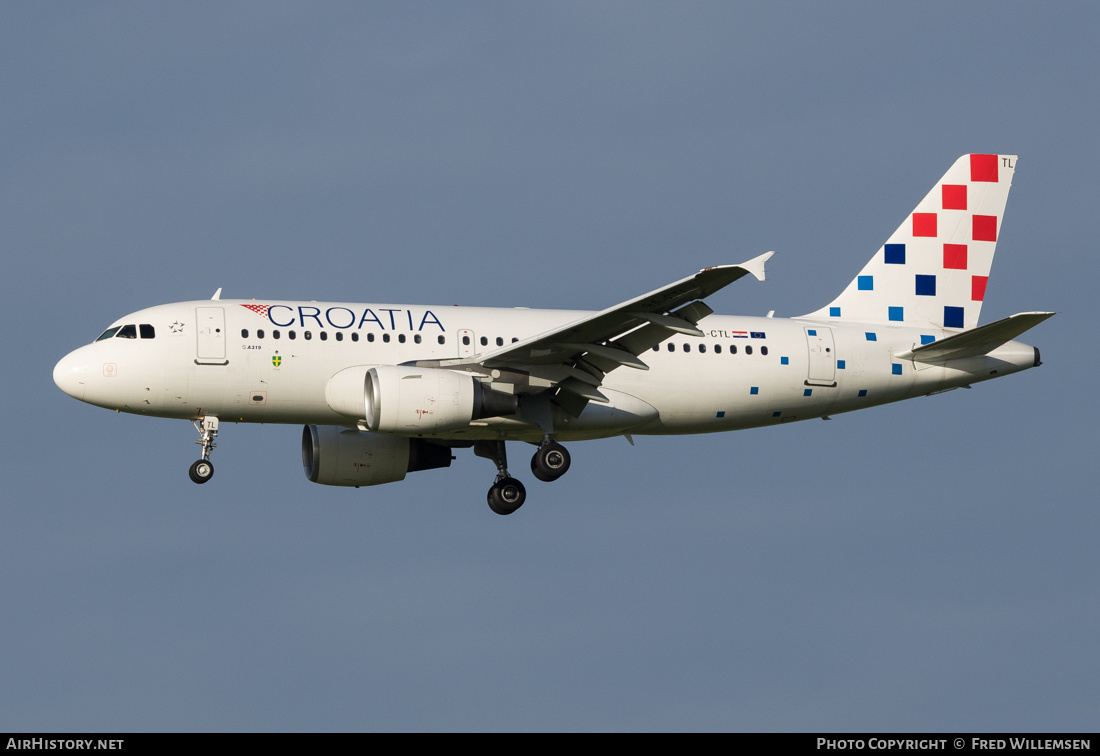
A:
{"points": [[756, 265], [217, 294]]}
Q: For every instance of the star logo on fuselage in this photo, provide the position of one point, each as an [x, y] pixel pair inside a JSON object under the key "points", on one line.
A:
{"points": [[177, 327]]}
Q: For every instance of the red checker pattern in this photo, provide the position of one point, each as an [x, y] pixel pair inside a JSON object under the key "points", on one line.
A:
{"points": [[983, 168], [924, 224], [954, 256], [954, 196], [977, 287], [985, 228]]}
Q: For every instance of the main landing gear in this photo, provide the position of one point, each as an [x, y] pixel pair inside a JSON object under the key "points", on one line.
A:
{"points": [[203, 469], [507, 494], [550, 462]]}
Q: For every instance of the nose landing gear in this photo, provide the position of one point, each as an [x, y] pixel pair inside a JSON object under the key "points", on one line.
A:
{"points": [[203, 469]]}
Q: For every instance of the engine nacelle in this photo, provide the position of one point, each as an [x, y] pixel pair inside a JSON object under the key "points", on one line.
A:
{"points": [[418, 400], [335, 456], [412, 401]]}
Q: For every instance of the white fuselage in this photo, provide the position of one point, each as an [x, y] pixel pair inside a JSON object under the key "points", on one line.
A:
{"points": [[240, 361]]}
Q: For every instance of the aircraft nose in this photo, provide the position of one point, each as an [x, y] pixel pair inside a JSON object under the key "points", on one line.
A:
{"points": [[71, 374]]}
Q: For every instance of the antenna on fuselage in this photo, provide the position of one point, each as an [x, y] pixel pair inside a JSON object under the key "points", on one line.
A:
{"points": [[217, 294]]}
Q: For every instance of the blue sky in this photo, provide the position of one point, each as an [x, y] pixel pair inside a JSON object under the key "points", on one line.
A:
{"points": [[929, 565]]}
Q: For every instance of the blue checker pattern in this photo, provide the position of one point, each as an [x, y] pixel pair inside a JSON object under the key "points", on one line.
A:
{"points": [[865, 283], [952, 317], [926, 286], [895, 254], [895, 369], [896, 313], [834, 312]]}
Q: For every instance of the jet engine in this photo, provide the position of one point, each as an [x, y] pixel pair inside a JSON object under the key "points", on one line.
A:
{"points": [[414, 401], [335, 456]]}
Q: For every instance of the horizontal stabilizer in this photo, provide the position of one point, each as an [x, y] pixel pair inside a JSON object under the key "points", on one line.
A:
{"points": [[977, 341]]}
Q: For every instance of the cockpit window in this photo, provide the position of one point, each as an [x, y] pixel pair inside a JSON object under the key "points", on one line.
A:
{"points": [[127, 332], [108, 333], [147, 331]]}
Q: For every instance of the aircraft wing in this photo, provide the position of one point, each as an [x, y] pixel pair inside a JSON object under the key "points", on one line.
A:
{"points": [[576, 356]]}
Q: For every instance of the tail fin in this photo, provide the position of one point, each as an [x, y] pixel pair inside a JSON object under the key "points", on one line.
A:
{"points": [[933, 270]]}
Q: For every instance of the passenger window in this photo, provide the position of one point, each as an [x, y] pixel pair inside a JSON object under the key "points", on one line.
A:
{"points": [[764, 350], [370, 337], [687, 347], [671, 347], [108, 333], [127, 332], [275, 334], [656, 347], [442, 340], [292, 335], [465, 341], [355, 337], [514, 339], [259, 333], [500, 341], [717, 348], [339, 336], [748, 350], [324, 335], [386, 338], [146, 331], [733, 349], [401, 337], [702, 348], [416, 338], [244, 333], [484, 341], [308, 335]]}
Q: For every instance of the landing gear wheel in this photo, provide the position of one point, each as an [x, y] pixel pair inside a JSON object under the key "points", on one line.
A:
{"points": [[550, 462], [506, 496], [201, 471]]}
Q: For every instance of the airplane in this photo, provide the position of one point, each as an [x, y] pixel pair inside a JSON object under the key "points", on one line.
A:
{"points": [[383, 390]]}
